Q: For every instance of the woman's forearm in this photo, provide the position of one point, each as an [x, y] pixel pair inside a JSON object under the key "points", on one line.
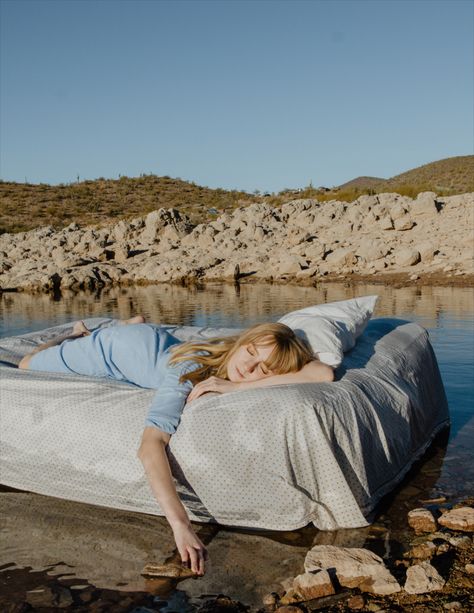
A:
{"points": [[155, 462], [313, 372]]}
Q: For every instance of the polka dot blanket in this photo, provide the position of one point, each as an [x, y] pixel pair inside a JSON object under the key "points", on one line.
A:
{"points": [[274, 458]]}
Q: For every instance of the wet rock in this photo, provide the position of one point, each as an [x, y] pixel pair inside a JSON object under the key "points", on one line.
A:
{"points": [[271, 600], [421, 520], [314, 585], [41, 597], [64, 598], [222, 604], [168, 570], [356, 602], [374, 607], [424, 551], [458, 519], [422, 578], [443, 548], [460, 542], [354, 567]]}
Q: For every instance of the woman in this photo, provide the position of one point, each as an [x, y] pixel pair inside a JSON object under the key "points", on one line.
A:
{"points": [[148, 356]]}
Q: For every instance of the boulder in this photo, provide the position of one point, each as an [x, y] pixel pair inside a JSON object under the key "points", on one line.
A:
{"points": [[404, 223], [458, 519], [373, 249], [422, 578], [354, 567], [424, 205], [407, 257], [421, 520], [289, 265], [341, 257]]}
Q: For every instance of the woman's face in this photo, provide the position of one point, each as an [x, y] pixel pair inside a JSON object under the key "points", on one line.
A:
{"points": [[248, 363]]}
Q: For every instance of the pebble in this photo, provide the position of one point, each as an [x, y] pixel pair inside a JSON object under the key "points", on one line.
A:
{"points": [[356, 602], [270, 599], [450, 606], [469, 568]]}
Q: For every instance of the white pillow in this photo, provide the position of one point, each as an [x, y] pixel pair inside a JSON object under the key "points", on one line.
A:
{"points": [[333, 328]]}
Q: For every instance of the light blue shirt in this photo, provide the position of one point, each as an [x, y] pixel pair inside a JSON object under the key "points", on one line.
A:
{"points": [[138, 354]]}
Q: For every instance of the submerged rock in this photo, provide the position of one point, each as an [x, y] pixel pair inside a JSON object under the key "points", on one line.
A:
{"points": [[168, 570]]}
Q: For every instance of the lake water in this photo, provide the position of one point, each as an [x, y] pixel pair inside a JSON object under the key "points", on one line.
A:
{"points": [[46, 541]]}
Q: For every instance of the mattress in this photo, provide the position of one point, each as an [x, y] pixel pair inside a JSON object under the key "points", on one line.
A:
{"points": [[274, 458]]}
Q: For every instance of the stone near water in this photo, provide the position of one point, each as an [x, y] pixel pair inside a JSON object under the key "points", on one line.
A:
{"points": [[41, 597], [460, 542], [270, 600], [356, 602], [424, 551], [407, 257], [354, 567], [458, 519], [422, 578], [421, 520], [314, 585], [175, 571]]}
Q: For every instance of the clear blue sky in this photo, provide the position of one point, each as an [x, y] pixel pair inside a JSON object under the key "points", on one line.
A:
{"points": [[236, 94]]}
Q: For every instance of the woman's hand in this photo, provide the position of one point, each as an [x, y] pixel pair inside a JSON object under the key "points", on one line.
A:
{"points": [[192, 551], [213, 384]]}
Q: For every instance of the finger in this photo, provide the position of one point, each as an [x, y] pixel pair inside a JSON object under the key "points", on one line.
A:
{"points": [[201, 565], [184, 558], [194, 559]]}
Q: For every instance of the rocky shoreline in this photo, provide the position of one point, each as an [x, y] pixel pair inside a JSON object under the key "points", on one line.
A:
{"points": [[434, 573], [384, 238]]}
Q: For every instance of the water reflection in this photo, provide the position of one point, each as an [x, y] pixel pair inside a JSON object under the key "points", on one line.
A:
{"points": [[230, 305]]}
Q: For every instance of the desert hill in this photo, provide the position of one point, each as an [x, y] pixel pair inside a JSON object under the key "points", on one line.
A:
{"points": [[24, 206]]}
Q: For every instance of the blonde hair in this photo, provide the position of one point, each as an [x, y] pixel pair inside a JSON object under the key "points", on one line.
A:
{"points": [[289, 355]]}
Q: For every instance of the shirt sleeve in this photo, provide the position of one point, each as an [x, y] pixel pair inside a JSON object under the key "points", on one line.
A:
{"points": [[170, 398]]}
